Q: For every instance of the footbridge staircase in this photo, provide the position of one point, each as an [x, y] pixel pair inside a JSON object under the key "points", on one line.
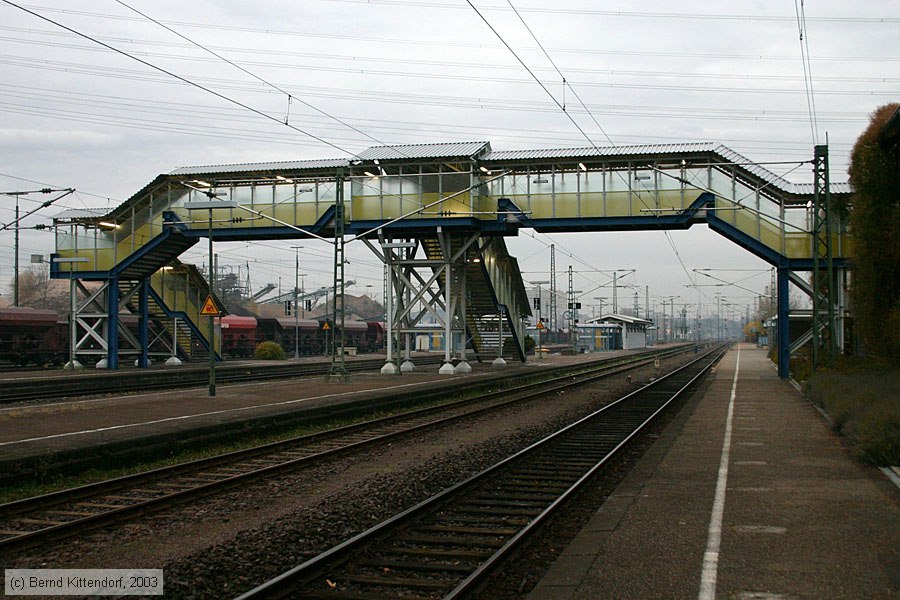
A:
{"points": [[145, 304], [491, 295]]}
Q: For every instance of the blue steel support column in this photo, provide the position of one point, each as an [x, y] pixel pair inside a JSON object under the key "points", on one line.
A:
{"points": [[144, 323], [783, 328], [112, 333]]}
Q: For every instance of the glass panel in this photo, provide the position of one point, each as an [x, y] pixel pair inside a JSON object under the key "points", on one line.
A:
{"points": [[721, 184], [797, 245], [283, 212], [591, 182], [566, 183], [746, 195], [243, 195], [617, 181], [566, 205], [591, 204], [769, 207], [541, 206], [287, 194], [798, 220], [770, 235], [747, 222], [669, 198], [454, 182], [363, 208], [617, 204]]}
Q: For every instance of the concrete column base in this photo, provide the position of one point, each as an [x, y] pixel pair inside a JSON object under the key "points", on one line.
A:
{"points": [[73, 365], [101, 364], [447, 369], [498, 362], [388, 369], [173, 361], [407, 366], [463, 367]]}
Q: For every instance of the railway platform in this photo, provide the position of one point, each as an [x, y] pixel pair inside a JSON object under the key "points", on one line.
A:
{"points": [[69, 433], [748, 495]]}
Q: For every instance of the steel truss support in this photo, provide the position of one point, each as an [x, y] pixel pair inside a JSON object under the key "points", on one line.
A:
{"points": [[143, 360], [554, 325], [826, 286], [785, 277], [425, 294], [824, 338], [338, 370], [96, 328]]}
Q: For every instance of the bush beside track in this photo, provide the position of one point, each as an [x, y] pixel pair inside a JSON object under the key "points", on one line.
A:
{"points": [[863, 403]]}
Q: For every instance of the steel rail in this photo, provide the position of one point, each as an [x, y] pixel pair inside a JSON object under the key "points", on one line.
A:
{"points": [[329, 443], [337, 561]]}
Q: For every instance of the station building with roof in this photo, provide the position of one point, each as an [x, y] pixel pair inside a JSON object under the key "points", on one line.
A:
{"points": [[612, 332]]}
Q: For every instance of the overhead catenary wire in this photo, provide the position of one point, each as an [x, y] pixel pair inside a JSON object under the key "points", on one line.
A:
{"points": [[807, 69], [569, 116], [204, 88], [623, 13], [133, 104], [290, 97], [176, 76], [456, 44], [363, 126]]}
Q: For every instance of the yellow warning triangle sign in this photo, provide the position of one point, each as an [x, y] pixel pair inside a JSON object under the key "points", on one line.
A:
{"points": [[540, 325], [325, 326], [209, 308]]}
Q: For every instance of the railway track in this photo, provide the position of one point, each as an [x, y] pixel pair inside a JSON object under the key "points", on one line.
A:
{"points": [[71, 386], [447, 546], [36, 520]]}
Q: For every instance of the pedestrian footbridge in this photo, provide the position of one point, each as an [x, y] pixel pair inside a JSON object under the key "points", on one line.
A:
{"points": [[436, 215]]}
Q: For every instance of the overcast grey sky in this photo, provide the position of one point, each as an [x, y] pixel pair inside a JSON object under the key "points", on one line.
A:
{"points": [[76, 114]]}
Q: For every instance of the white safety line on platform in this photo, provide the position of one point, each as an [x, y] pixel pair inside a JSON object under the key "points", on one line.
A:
{"points": [[206, 414], [40, 408], [714, 541]]}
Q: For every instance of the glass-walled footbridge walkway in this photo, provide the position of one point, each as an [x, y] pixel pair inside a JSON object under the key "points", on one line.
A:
{"points": [[436, 215]]}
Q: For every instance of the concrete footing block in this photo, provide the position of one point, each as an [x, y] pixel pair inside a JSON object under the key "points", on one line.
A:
{"points": [[447, 369], [388, 369]]}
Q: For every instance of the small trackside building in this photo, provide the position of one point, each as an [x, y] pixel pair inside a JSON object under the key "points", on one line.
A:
{"points": [[612, 332]]}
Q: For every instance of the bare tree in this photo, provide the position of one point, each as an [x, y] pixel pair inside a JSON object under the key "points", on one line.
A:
{"points": [[37, 290]]}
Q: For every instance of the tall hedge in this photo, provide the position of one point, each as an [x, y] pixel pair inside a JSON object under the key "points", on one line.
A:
{"points": [[875, 226]]}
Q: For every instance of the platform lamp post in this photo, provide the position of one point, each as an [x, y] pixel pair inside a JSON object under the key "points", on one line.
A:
{"points": [[296, 300], [209, 206], [539, 324]]}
